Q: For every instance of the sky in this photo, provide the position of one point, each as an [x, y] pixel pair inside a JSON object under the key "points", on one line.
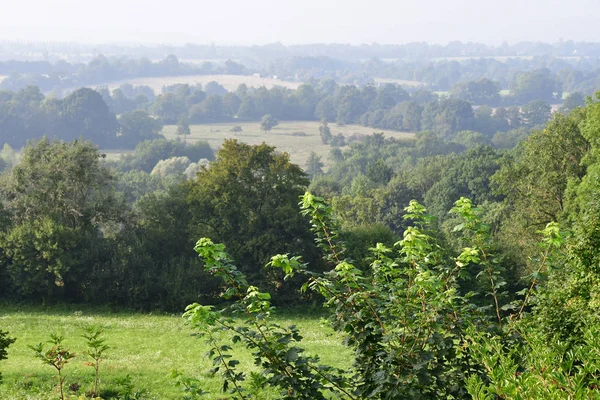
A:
{"points": [[247, 22]]}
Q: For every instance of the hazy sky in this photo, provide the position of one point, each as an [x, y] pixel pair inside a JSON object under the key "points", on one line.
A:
{"points": [[300, 21]]}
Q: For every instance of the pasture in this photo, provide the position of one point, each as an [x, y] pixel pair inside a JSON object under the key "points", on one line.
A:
{"points": [[229, 82], [144, 346], [284, 137]]}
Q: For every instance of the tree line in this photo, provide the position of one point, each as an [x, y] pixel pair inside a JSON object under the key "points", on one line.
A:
{"points": [[54, 77], [28, 114]]}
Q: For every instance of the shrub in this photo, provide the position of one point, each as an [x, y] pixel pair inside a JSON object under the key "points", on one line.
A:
{"points": [[5, 341]]}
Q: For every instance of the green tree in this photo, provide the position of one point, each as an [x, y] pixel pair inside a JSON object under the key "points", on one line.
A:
{"points": [[247, 199], [540, 84], [325, 132], [481, 92], [84, 113], [183, 128], [536, 113], [314, 165], [268, 122], [572, 101], [62, 207], [137, 126]]}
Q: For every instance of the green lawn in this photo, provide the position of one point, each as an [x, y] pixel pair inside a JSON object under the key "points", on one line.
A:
{"points": [[144, 346], [299, 147]]}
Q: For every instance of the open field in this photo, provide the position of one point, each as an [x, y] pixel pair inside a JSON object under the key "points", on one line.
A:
{"points": [[229, 82], [299, 147], [400, 82], [144, 346]]}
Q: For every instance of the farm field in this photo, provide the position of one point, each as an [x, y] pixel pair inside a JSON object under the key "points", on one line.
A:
{"points": [[229, 82], [144, 346], [299, 147]]}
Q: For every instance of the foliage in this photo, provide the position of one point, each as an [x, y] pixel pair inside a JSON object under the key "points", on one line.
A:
{"points": [[57, 357], [5, 342], [247, 199], [408, 321], [96, 344], [275, 348], [137, 126], [148, 153], [61, 205], [268, 122], [314, 165], [172, 166], [540, 368]]}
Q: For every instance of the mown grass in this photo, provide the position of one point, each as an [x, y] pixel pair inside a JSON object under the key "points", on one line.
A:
{"points": [[284, 136], [144, 346]]}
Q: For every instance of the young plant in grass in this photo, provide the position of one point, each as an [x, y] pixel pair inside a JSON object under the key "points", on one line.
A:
{"points": [[96, 347], [57, 356]]}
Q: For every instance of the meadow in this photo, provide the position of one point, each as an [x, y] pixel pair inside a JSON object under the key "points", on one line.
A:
{"points": [[284, 136], [144, 347]]}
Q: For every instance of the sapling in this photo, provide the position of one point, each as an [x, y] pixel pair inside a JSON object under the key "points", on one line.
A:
{"points": [[96, 345], [57, 356]]}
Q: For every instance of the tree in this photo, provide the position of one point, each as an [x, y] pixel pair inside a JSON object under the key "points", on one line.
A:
{"points": [[572, 101], [268, 122], [169, 107], [84, 113], [137, 126], [248, 199], [236, 129], [535, 178], [379, 172], [62, 207], [325, 132], [174, 166], [481, 92], [314, 165], [536, 113], [540, 84], [183, 128]]}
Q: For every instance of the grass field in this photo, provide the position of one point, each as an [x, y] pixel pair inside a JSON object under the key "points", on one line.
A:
{"points": [[229, 82], [299, 147], [144, 346]]}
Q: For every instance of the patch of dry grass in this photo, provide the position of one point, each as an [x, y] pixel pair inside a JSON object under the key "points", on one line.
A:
{"points": [[282, 136]]}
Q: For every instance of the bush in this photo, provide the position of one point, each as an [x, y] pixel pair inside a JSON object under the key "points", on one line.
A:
{"points": [[408, 322], [5, 341]]}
